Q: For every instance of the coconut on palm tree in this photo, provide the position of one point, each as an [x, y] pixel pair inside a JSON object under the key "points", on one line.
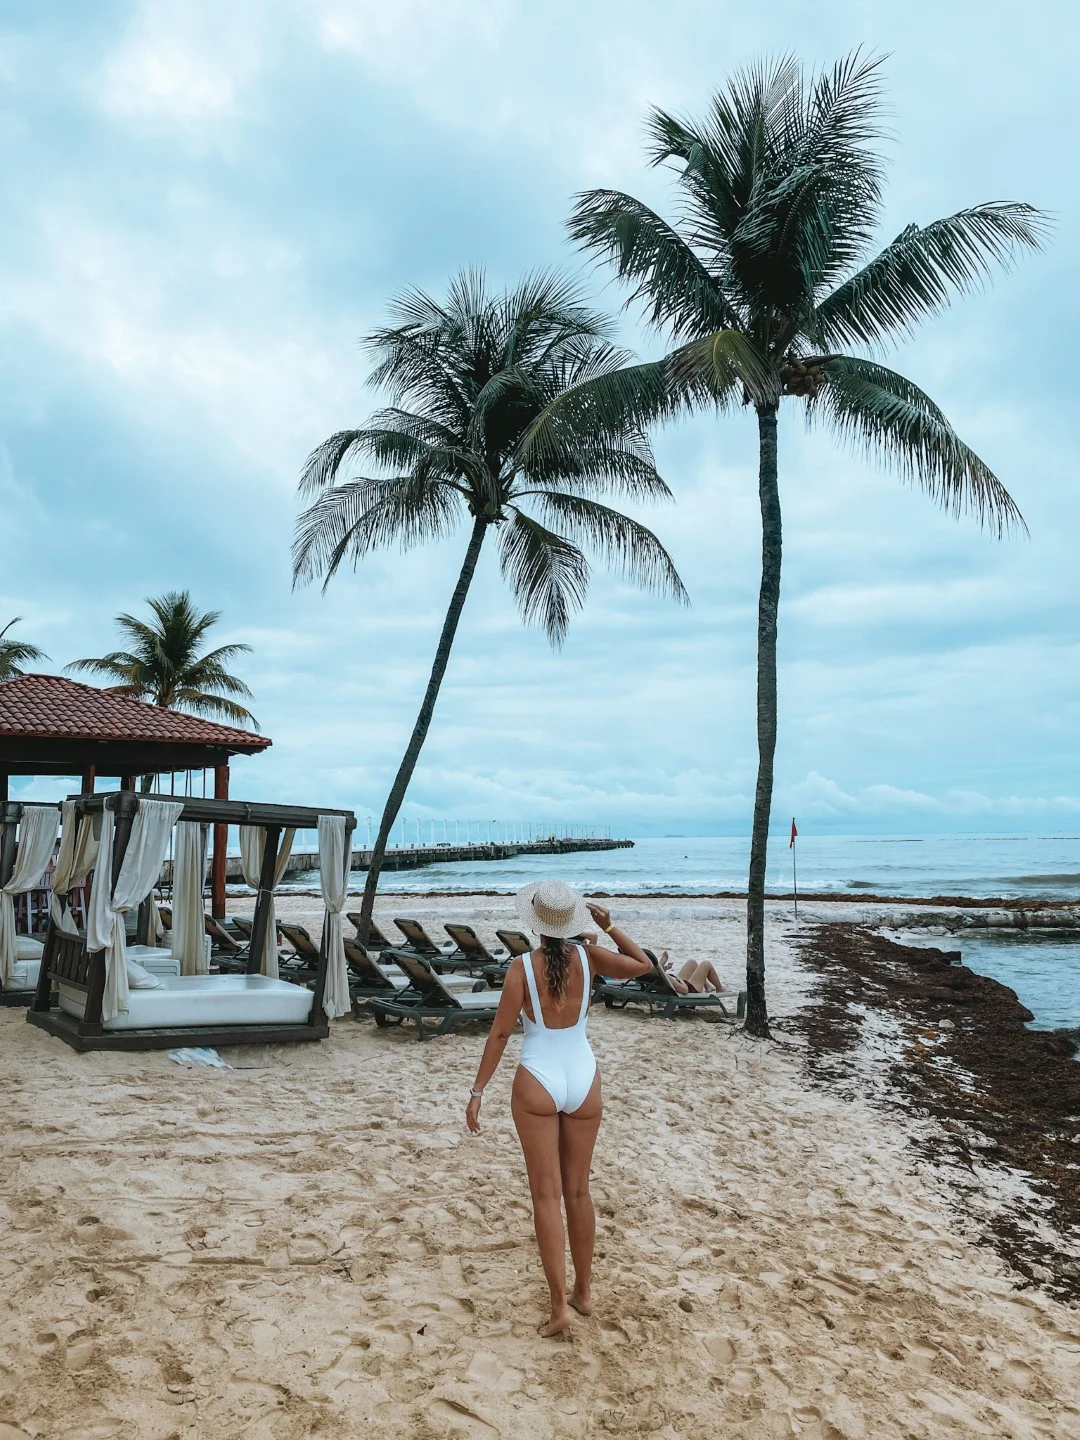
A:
{"points": [[14, 654], [762, 282], [167, 663], [468, 379]]}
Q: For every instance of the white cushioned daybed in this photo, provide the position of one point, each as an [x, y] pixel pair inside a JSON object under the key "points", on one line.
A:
{"points": [[183, 1000], [24, 974]]}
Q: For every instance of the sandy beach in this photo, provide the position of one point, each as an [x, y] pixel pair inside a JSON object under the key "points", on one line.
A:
{"points": [[309, 1243]]}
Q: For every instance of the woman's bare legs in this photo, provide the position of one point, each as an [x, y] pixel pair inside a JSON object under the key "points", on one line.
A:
{"points": [[577, 1137], [701, 975], [538, 1127]]}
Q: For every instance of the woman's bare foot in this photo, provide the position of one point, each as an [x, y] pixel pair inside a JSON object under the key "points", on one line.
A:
{"points": [[560, 1321], [581, 1301]]}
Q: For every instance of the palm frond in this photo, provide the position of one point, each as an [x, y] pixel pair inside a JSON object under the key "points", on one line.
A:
{"points": [[214, 707], [922, 269], [624, 544], [351, 520], [117, 664], [547, 574], [667, 277], [724, 367], [616, 403], [14, 654], [884, 414]]}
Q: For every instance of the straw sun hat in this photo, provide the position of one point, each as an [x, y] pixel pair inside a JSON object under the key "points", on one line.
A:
{"points": [[552, 908]]}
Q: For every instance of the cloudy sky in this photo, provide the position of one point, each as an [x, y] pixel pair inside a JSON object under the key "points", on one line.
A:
{"points": [[207, 202]]}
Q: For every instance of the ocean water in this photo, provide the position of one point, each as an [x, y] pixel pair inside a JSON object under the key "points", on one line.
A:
{"points": [[1045, 973], [1031, 866]]}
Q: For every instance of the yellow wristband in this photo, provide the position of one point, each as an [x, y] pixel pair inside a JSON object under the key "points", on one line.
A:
{"points": [[608, 928]]}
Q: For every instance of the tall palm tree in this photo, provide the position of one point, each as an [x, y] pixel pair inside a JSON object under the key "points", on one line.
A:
{"points": [[14, 654], [467, 380], [166, 664], [763, 284]]}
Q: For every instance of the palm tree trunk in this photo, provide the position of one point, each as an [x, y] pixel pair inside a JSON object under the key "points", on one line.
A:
{"points": [[423, 721], [757, 1014]]}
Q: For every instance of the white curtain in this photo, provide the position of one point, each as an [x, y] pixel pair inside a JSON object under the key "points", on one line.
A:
{"points": [[76, 858], [37, 838], [252, 849], [333, 878], [189, 876], [141, 867]]}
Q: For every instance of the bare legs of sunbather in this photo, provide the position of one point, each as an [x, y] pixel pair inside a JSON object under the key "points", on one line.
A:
{"points": [[698, 977], [558, 1152]]}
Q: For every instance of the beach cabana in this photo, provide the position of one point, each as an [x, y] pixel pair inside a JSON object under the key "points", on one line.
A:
{"points": [[50, 725], [89, 995]]}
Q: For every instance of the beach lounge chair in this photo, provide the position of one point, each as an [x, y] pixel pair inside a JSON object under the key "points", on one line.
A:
{"points": [[419, 942], [368, 977], [428, 997], [306, 952], [657, 991], [243, 925], [516, 942], [376, 939], [477, 958]]}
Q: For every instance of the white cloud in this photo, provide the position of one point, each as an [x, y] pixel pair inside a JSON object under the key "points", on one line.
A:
{"points": [[185, 61]]}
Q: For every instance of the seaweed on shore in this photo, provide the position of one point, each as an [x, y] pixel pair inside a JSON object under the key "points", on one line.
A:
{"points": [[1002, 1095]]}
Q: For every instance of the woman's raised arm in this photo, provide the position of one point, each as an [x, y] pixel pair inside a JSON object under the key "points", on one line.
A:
{"points": [[627, 962]]}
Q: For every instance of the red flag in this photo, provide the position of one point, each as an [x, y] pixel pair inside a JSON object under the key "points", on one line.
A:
{"points": [[794, 835]]}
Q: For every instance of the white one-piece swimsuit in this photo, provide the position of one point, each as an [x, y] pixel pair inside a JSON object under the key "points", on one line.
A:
{"points": [[562, 1060]]}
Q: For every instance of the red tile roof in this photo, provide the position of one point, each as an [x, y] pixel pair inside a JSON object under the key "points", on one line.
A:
{"points": [[55, 708]]}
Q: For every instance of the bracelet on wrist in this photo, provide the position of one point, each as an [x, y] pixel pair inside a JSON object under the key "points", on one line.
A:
{"points": [[608, 928], [477, 1094]]}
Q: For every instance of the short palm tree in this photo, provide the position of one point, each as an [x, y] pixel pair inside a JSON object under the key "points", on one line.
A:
{"points": [[14, 654], [167, 665], [763, 284], [467, 379]]}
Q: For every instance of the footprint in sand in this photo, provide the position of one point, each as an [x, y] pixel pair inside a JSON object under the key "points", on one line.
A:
{"points": [[720, 1348], [1018, 1373]]}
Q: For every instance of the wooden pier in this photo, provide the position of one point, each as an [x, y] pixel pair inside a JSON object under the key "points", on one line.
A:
{"points": [[415, 857]]}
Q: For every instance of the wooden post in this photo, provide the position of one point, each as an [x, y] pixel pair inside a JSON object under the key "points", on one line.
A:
{"points": [[261, 917], [10, 819], [3, 787], [127, 782], [218, 873], [89, 776]]}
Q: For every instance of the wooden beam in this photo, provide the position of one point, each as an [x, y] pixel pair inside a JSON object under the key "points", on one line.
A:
{"points": [[261, 919], [221, 845], [38, 756], [89, 776], [3, 787], [228, 812]]}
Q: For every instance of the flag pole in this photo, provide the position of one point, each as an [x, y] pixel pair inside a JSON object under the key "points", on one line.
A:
{"points": [[794, 869]]}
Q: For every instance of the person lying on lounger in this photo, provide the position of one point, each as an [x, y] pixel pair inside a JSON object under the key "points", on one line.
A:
{"points": [[696, 977]]}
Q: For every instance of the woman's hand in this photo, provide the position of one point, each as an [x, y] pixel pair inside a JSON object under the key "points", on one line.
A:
{"points": [[472, 1114], [599, 914]]}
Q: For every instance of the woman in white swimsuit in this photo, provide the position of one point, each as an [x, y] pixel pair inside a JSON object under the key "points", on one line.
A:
{"points": [[556, 1096]]}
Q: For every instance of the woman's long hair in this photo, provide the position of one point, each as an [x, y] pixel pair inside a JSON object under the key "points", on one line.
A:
{"points": [[556, 963]]}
